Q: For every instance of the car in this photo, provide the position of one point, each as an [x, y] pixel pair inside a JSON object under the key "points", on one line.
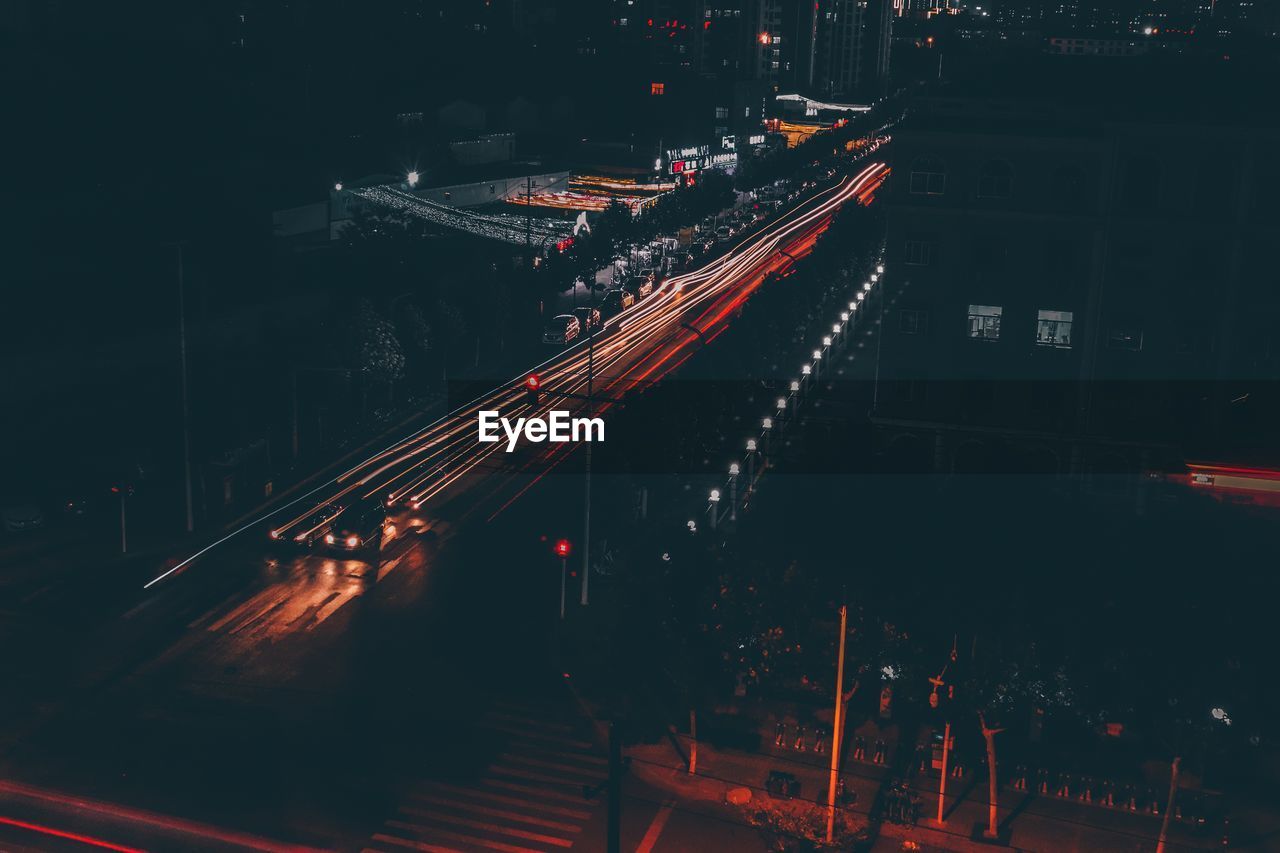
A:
{"points": [[723, 233], [640, 286], [588, 318], [20, 517], [617, 300], [358, 527], [313, 529], [563, 329]]}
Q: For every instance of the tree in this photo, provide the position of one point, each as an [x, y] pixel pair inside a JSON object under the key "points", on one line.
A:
{"points": [[373, 348]]}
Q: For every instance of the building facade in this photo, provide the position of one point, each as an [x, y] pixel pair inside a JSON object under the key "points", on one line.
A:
{"points": [[1077, 295]]}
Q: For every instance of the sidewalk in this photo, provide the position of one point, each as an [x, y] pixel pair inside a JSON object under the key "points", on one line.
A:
{"points": [[1029, 822]]}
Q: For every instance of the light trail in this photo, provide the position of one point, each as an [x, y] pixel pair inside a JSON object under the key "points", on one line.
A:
{"points": [[421, 466]]}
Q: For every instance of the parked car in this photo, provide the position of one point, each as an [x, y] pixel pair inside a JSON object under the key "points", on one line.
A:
{"points": [[562, 329], [723, 233], [617, 300], [358, 528], [640, 286], [588, 318]]}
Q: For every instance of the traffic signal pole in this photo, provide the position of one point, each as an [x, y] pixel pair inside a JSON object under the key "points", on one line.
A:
{"points": [[837, 728]]}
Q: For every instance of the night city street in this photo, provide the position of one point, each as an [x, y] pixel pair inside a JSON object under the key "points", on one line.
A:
{"points": [[663, 426]]}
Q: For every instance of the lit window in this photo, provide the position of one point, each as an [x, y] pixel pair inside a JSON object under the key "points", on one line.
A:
{"points": [[928, 177], [996, 180], [657, 88], [1053, 329], [984, 322], [913, 322], [1125, 338], [722, 112]]}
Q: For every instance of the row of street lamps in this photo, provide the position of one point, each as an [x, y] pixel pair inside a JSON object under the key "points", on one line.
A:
{"points": [[788, 405]]}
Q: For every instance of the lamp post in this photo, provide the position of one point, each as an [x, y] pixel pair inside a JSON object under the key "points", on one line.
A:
{"points": [[751, 465], [714, 499], [734, 469]]}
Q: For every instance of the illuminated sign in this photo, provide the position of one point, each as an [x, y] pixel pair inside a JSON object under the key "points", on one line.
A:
{"points": [[687, 153], [758, 139], [729, 143]]}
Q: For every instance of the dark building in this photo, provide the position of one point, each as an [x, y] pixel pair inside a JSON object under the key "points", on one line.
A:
{"points": [[1079, 295]]}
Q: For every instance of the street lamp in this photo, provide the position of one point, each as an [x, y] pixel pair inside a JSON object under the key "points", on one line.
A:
{"points": [[751, 445], [795, 385], [866, 286], [874, 277], [806, 370], [413, 178], [782, 403], [817, 354], [880, 268], [835, 328], [767, 423], [337, 187], [562, 551], [844, 315], [853, 306], [826, 341]]}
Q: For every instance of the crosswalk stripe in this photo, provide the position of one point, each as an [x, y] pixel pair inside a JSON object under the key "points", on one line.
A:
{"points": [[587, 775], [491, 812], [495, 828], [514, 801], [521, 773], [539, 792], [583, 757], [474, 840], [572, 743], [545, 725], [405, 842]]}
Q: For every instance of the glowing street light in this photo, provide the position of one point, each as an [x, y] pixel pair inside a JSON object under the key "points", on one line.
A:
{"points": [[817, 355], [751, 445], [767, 423], [715, 496], [835, 328], [337, 187], [782, 403], [844, 315], [413, 178], [875, 277], [853, 306], [734, 469], [806, 370], [880, 268], [865, 287], [795, 384], [826, 341]]}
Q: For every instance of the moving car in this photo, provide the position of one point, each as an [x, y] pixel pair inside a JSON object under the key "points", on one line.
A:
{"points": [[313, 530], [588, 318], [358, 528], [562, 329], [617, 300]]}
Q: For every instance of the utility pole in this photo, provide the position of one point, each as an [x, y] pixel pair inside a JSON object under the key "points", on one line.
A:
{"points": [[942, 783], [836, 728], [586, 505], [1173, 793], [614, 843], [186, 404]]}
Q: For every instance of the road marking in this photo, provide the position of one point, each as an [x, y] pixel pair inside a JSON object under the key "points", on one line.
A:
{"points": [[522, 733], [533, 791], [473, 840], [577, 814], [521, 773], [567, 769], [655, 828], [423, 846], [491, 812], [496, 829]]}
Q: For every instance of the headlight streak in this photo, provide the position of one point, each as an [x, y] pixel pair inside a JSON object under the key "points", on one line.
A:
{"points": [[420, 466]]}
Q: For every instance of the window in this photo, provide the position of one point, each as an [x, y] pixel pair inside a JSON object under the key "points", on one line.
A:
{"points": [[913, 322], [920, 251], [984, 322], [657, 88], [722, 112], [995, 180], [1053, 329], [1125, 338], [928, 177]]}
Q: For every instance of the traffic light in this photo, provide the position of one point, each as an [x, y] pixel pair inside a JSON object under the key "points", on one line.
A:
{"points": [[532, 389], [563, 548]]}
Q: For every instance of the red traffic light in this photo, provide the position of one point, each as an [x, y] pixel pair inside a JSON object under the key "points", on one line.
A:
{"points": [[533, 382], [562, 548]]}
